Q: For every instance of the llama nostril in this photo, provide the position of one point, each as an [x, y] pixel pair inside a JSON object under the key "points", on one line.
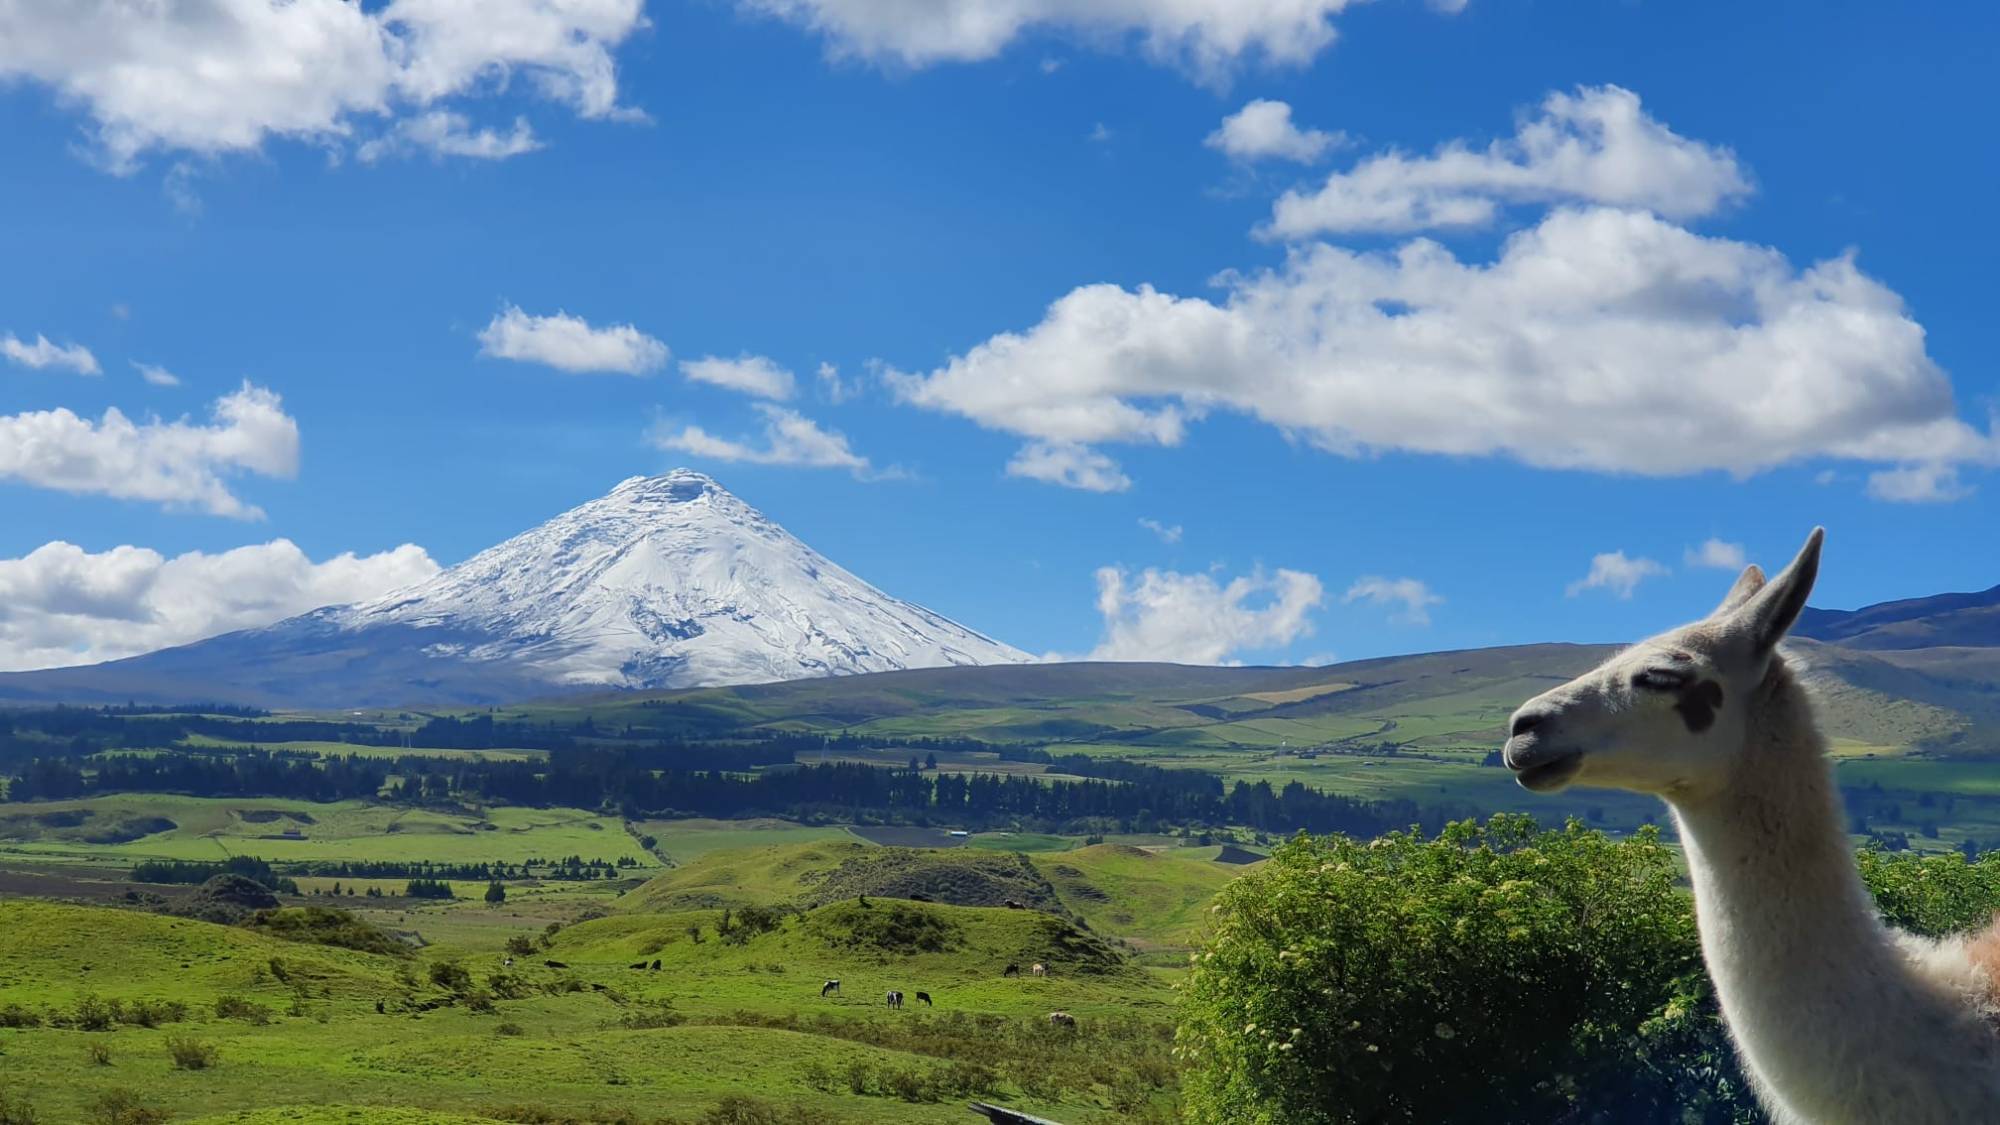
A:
{"points": [[1523, 724]]}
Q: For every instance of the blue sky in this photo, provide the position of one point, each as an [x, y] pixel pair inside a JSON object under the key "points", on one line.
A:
{"points": [[1671, 349]]}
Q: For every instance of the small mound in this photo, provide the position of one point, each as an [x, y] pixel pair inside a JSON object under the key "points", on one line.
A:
{"points": [[321, 925], [960, 877], [227, 899], [885, 927]]}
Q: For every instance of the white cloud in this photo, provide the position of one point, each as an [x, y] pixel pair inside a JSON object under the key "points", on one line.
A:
{"points": [[747, 374], [443, 133], [790, 439], [1599, 339], [1191, 619], [1615, 572], [1928, 483], [42, 354], [1415, 597], [63, 605], [835, 389], [215, 76], [1068, 464], [1167, 533], [569, 343], [1594, 146], [1208, 38], [174, 463], [1716, 554], [1263, 130], [156, 375]]}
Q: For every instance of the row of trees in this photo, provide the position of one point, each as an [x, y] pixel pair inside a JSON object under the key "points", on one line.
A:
{"points": [[1127, 795]]}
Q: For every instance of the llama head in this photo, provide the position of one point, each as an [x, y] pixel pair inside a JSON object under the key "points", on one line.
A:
{"points": [[1668, 715]]}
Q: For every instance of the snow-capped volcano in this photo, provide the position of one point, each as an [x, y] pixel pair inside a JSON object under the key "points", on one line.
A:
{"points": [[664, 582], [670, 581]]}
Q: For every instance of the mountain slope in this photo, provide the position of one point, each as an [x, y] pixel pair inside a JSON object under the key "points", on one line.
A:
{"points": [[665, 582], [1941, 620]]}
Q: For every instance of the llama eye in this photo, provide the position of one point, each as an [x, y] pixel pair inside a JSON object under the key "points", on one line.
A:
{"points": [[1661, 679]]}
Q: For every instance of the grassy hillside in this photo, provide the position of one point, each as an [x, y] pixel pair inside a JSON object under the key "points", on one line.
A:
{"points": [[133, 826], [571, 1030], [1154, 899]]}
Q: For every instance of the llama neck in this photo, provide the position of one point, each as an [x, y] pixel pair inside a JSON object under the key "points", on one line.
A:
{"points": [[1799, 957]]}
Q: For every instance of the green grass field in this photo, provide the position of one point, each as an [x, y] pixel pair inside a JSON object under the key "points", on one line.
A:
{"points": [[596, 1037], [216, 828]]}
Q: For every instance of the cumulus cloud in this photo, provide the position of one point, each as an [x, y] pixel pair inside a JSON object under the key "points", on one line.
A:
{"points": [[790, 439], [1192, 619], [1598, 339], [156, 375], [1594, 146], [1263, 130], [1167, 533], [1617, 573], [177, 463], [42, 355], [1716, 554], [1068, 464], [1208, 38], [442, 133], [62, 605], [216, 76], [747, 374], [1412, 595], [1929, 483], [569, 343]]}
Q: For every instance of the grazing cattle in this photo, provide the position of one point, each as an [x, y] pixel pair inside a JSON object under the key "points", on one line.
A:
{"points": [[920, 898], [1013, 905], [895, 999], [1011, 971], [656, 965], [509, 962], [1039, 969], [380, 1007], [639, 965], [925, 997], [829, 986], [555, 964], [1062, 1019]]}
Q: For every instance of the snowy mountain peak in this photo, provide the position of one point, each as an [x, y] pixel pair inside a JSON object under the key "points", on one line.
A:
{"points": [[666, 581]]}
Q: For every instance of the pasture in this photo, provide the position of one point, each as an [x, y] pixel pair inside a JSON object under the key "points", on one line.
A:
{"points": [[291, 831], [732, 1018]]}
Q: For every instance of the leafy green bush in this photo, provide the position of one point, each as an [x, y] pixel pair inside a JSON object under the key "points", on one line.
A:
{"points": [[450, 976], [123, 1107], [237, 1008], [1497, 972], [1933, 894], [190, 1053], [15, 1110], [14, 1015]]}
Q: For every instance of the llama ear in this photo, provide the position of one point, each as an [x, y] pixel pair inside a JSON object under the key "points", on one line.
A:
{"points": [[1747, 584], [1769, 613]]}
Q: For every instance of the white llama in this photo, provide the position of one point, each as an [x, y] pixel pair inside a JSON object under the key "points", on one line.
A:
{"points": [[1838, 1019]]}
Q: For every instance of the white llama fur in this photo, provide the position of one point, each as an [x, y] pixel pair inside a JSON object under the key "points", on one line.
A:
{"points": [[1839, 1020]]}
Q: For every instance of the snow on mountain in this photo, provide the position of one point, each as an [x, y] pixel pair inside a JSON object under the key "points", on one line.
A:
{"points": [[665, 582], [672, 581]]}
